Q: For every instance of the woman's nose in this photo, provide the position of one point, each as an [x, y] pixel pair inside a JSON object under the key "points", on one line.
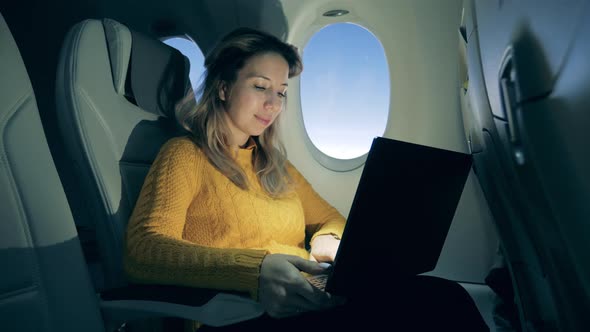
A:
{"points": [[274, 102]]}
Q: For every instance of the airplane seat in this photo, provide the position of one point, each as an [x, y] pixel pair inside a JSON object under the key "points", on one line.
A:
{"points": [[44, 284], [116, 92], [529, 142]]}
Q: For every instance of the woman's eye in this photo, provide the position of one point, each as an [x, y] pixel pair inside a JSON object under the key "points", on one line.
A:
{"points": [[282, 94], [259, 88]]}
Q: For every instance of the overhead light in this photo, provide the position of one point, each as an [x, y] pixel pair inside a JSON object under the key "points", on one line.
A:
{"points": [[336, 12]]}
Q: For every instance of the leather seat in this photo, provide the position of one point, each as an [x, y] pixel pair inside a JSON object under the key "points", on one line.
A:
{"points": [[116, 92], [44, 284], [528, 126]]}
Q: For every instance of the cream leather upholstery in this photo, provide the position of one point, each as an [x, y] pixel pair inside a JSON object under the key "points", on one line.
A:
{"points": [[110, 138], [44, 284]]}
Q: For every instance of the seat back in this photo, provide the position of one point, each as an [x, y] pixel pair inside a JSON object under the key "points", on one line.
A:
{"points": [[529, 142], [116, 93], [44, 284]]}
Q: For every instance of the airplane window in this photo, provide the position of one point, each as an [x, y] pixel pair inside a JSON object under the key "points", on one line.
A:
{"points": [[344, 90], [194, 54]]}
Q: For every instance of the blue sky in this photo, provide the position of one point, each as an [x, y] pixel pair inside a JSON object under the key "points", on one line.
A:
{"points": [[344, 90], [344, 87]]}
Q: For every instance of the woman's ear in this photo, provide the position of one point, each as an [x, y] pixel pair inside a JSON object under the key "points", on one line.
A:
{"points": [[222, 91]]}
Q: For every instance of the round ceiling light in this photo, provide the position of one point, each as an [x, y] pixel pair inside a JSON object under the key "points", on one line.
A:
{"points": [[336, 13]]}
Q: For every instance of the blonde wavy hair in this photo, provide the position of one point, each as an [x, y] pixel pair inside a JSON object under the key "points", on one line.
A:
{"points": [[205, 119]]}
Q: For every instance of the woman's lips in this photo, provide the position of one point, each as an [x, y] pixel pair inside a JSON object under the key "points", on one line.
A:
{"points": [[262, 120]]}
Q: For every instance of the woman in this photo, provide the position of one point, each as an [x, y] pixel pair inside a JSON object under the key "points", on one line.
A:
{"points": [[222, 208]]}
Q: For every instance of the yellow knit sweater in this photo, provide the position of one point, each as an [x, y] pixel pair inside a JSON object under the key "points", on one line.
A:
{"points": [[192, 226]]}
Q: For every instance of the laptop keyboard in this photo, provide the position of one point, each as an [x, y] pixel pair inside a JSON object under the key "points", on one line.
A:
{"points": [[318, 281]]}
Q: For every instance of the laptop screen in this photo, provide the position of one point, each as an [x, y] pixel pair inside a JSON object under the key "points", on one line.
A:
{"points": [[401, 213]]}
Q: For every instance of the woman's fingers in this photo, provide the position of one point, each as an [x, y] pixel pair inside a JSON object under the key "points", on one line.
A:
{"points": [[324, 248], [307, 266], [317, 299], [284, 291]]}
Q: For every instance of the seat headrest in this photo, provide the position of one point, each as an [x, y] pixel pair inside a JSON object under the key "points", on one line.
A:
{"points": [[149, 73]]}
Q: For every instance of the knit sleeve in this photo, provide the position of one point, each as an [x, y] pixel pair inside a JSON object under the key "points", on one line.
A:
{"points": [[155, 250], [321, 218]]}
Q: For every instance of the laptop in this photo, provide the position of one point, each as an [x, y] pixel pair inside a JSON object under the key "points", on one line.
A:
{"points": [[400, 216]]}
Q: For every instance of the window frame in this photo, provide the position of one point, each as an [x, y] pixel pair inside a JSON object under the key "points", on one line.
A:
{"points": [[327, 161], [199, 80]]}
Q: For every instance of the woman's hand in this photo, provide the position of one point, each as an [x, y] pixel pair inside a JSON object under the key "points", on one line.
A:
{"points": [[324, 248], [283, 291]]}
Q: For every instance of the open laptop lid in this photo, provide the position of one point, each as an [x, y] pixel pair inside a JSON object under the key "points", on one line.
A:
{"points": [[401, 213]]}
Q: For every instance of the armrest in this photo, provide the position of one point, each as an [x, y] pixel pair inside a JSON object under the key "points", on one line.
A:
{"points": [[208, 306]]}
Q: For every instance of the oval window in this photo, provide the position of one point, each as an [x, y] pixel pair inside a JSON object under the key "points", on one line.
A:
{"points": [[344, 91]]}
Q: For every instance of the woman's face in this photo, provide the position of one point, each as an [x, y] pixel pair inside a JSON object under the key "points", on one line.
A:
{"points": [[256, 97]]}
